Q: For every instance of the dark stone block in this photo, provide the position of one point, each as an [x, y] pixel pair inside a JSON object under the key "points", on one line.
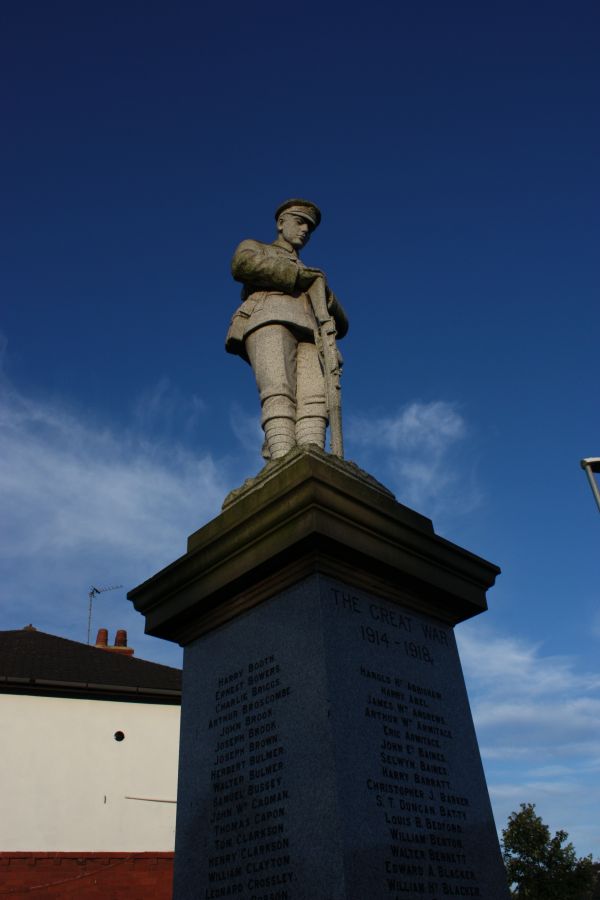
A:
{"points": [[328, 752]]}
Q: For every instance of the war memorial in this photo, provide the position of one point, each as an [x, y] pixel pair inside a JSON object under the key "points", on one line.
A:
{"points": [[327, 746]]}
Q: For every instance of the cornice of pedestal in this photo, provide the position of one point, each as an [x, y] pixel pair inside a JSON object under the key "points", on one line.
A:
{"points": [[311, 513]]}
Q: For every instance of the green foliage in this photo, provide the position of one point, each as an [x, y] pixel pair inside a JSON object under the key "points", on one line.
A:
{"points": [[540, 867]]}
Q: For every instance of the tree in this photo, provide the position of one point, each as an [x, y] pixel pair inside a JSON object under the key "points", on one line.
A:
{"points": [[540, 867]]}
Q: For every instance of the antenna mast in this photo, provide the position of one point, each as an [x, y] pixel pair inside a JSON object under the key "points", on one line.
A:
{"points": [[91, 594]]}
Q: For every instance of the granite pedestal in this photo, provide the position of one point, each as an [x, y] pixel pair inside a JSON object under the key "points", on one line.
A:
{"points": [[327, 747]]}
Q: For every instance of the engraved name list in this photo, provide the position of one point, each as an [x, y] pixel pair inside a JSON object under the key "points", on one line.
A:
{"points": [[413, 753], [250, 849]]}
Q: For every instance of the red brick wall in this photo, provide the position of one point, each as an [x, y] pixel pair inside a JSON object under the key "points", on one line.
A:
{"points": [[103, 876]]}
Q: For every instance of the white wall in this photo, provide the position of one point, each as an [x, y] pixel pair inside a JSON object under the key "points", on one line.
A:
{"points": [[64, 779]]}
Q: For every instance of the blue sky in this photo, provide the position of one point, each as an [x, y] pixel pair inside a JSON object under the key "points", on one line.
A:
{"points": [[453, 149]]}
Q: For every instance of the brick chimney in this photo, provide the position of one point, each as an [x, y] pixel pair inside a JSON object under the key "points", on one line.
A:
{"points": [[120, 645]]}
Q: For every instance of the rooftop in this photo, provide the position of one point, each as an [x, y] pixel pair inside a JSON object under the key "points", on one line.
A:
{"points": [[33, 662]]}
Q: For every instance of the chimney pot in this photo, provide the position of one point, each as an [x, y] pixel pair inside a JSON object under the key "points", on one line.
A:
{"points": [[102, 637], [121, 638]]}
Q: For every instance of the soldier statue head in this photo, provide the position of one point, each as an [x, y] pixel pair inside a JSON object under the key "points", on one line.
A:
{"points": [[296, 220]]}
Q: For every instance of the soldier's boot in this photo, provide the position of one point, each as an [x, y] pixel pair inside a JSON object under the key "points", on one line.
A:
{"points": [[311, 430], [278, 422], [280, 437]]}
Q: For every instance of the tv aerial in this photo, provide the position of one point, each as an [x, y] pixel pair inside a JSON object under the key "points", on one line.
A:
{"points": [[93, 592]]}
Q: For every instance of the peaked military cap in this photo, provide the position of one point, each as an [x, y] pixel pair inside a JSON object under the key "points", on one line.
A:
{"points": [[306, 209]]}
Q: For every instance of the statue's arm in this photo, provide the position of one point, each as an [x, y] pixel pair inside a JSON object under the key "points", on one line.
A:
{"points": [[254, 265], [337, 311]]}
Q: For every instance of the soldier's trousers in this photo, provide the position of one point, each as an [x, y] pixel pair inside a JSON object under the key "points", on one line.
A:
{"points": [[290, 382]]}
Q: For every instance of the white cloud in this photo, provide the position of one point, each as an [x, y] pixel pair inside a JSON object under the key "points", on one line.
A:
{"points": [[510, 664], [163, 410], [537, 719], [416, 427], [414, 447], [527, 704], [246, 428], [82, 505]]}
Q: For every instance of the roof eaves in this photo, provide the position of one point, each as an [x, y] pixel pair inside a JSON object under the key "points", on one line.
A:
{"points": [[88, 686]]}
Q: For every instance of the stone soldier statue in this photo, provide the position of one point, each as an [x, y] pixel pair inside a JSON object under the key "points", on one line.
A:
{"points": [[286, 329]]}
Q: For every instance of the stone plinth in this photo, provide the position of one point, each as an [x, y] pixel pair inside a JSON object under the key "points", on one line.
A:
{"points": [[327, 747]]}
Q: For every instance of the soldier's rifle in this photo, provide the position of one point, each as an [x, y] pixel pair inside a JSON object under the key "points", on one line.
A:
{"points": [[325, 337]]}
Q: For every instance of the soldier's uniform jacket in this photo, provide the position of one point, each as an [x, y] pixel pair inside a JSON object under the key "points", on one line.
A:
{"points": [[269, 273]]}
